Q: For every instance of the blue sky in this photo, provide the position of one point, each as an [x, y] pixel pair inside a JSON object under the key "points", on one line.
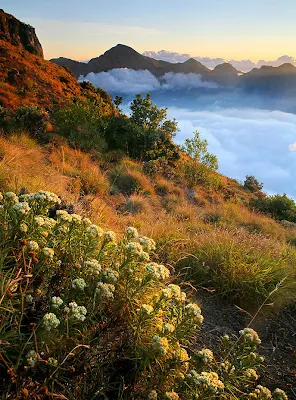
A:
{"points": [[241, 29]]}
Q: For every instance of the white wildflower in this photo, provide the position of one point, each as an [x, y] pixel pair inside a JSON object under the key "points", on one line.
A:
{"points": [[33, 246], [76, 218], [95, 231], [110, 276], [23, 227], [11, 197], [176, 292], [192, 311], [261, 392], [86, 222], [77, 312], [105, 290], [56, 302], [160, 345], [251, 374], [169, 328], [279, 394], [157, 271], [22, 207], [48, 197], [48, 252], [206, 380], [39, 220], [146, 309], [109, 236], [133, 249], [63, 216], [249, 336], [152, 395], [32, 358], [93, 267], [131, 233], [205, 355], [78, 283], [171, 395], [50, 321], [147, 243]]}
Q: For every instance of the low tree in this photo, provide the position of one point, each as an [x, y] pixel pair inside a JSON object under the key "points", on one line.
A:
{"points": [[200, 162], [252, 184], [147, 134], [147, 115], [118, 101]]}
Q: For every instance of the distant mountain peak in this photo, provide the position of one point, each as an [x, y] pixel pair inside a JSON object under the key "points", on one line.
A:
{"points": [[225, 68]]}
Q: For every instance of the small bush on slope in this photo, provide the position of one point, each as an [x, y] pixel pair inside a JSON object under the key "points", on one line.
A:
{"points": [[83, 124], [86, 316]]}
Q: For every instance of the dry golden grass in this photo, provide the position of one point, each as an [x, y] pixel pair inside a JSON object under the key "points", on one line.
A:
{"points": [[75, 163], [24, 164], [163, 187], [244, 251]]}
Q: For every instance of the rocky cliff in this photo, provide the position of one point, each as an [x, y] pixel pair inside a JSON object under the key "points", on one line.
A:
{"points": [[19, 34]]}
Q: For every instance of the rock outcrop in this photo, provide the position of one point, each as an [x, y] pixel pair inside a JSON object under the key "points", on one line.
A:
{"points": [[19, 34]]}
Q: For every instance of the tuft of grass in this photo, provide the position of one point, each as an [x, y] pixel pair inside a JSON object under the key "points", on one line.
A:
{"points": [[136, 204], [241, 266], [128, 181]]}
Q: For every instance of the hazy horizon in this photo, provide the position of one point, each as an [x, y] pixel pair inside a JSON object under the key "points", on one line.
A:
{"points": [[232, 30]]}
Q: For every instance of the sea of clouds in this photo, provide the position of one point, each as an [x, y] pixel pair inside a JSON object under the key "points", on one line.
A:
{"points": [[247, 139], [247, 142], [130, 81]]}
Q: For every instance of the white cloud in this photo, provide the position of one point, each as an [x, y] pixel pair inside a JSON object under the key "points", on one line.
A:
{"points": [[123, 80], [186, 81], [129, 81], [247, 142], [292, 146]]}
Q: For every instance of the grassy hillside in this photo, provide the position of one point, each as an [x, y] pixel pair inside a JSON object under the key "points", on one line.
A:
{"points": [[210, 242], [217, 242], [116, 244]]}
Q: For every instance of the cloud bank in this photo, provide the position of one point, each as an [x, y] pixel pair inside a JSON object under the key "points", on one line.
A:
{"points": [[247, 142], [129, 81], [246, 139], [241, 65]]}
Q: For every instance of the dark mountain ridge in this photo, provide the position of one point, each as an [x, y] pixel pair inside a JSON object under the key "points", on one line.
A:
{"points": [[279, 80], [122, 56]]}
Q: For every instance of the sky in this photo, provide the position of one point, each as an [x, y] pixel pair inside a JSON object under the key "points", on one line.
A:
{"points": [[239, 29]]}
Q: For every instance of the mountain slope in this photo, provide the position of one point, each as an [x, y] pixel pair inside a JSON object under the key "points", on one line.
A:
{"points": [[279, 81], [26, 78], [18, 33]]}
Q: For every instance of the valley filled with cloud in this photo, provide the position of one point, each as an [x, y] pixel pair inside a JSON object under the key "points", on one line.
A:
{"points": [[250, 134]]}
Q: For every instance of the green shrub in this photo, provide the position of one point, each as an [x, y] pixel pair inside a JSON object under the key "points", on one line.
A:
{"points": [[146, 135], [86, 316], [280, 207], [33, 50], [82, 124], [31, 119]]}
